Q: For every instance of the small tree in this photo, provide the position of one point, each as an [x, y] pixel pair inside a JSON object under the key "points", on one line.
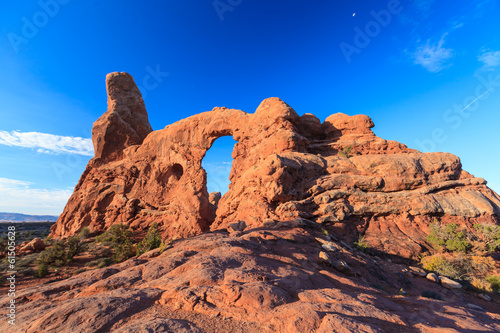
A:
{"points": [[62, 251], [151, 241], [449, 237], [43, 271]]}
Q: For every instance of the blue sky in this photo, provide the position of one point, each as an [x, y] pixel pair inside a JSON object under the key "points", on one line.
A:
{"points": [[427, 72]]}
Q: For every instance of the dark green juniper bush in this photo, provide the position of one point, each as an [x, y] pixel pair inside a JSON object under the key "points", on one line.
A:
{"points": [[120, 238], [151, 241]]}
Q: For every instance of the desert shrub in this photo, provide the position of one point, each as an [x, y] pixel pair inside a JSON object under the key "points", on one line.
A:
{"points": [[439, 264], [3, 243], [123, 252], [494, 281], [361, 245], [431, 294], [458, 245], [117, 234], [459, 265], [119, 237], [80, 270], [449, 237], [84, 233], [98, 250], [56, 254], [49, 240], [346, 152], [99, 263], [480, 285], [489, 236], [42, 271], [104, 262], [75, 245], [482, 264], [26, 260], [151, 241], [164, 246], [62, 251]]}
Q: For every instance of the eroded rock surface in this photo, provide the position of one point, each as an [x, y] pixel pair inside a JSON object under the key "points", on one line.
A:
{"points": [[337, 173], [263, 280]]}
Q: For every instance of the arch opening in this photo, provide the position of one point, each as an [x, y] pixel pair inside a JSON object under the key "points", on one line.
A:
{"points": [[217, 163]]}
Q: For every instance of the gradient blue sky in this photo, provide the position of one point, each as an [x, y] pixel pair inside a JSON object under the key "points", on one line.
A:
{"points": [[424, 71]]}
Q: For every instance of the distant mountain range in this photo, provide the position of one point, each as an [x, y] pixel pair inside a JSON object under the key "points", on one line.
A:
{"points": [[15, 217]]}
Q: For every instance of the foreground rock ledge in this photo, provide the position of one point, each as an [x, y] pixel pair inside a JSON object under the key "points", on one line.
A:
{"points": [[261, 280], [337, 173]]}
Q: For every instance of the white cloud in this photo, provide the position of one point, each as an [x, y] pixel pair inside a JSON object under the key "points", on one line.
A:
{"points": [[423, 5], [20, 196], [433, 57], [490, 59], [217, 176], [48, 143]]}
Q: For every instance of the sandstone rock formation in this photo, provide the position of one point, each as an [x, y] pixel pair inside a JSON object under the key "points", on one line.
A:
{"points": [[337, 173]]}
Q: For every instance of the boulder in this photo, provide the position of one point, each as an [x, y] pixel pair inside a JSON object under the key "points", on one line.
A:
{"points": [[449, 283], [418, 271], [432, 277], [239, 226], [35, 245]]}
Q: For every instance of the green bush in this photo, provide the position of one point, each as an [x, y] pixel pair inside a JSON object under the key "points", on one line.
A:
{"points": [[99, 263], [346, 152], [117, 234], [165, 246], [42, 271], [75, 245], [62, 251], [361, 245], [3, 243], [494, 281], [458, 245], [80, 270], [489, 236], [84, 233], [151, 241], [120, 238], [449, 237]]}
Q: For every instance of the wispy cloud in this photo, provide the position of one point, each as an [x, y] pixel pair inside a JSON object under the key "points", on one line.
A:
{"points": [[20, 196], [217, 176], [433, 57], [48, 143], [490, 60]]}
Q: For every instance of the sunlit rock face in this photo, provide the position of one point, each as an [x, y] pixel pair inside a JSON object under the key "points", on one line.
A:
{"points": [[337, 173]]}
